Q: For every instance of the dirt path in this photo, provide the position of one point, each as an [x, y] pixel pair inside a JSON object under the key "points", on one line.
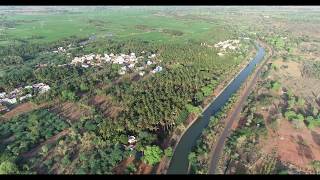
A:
{"points": [[51, 140], [236, 112]]}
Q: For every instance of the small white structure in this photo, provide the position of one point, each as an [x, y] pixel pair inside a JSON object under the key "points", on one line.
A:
{"points": [[85, 65], [141, 73], [28, 87], [132, 139], [220, 54], [119, 60], [149, 63], [140, 68], [8, 100], [122, 71], [152, 56], [131, 66], [157, 69], [3, 94], [41, 87], [25, 97]]}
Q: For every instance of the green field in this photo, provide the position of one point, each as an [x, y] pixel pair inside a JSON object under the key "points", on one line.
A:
{"points": [[113, 22]]}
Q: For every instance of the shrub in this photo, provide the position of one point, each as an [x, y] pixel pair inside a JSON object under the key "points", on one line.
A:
{"points": [[152, 155]]}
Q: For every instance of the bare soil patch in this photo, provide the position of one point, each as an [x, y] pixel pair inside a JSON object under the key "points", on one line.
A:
{"points": [[120, 169], [106, 106], [71, 111], [291, 77], [144, 168], [296, 146], [51, 140], [22, 108]]}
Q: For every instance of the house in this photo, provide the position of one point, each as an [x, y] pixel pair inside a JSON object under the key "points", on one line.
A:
{"points": [[152, 56], [3, 94], [122, 72], [131, 66], [3, 108], [220, 54], [44, 89], [141, 73], [41, 87], [28, 87], [149, 63], [8, 100], [85, 65], [132, 140], [157, 69], [25, 97], [140, 68], [119, 60]]}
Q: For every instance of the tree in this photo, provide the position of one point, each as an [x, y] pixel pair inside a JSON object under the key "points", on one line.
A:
{"points": [[290, 115], [192, 157], [8, 167], [301, 102], [168, 152], [68, 95], [152, 155], [199, 97]]}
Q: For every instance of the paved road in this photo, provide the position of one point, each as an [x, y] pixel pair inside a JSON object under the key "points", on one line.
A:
{"points": [[219, 146]]}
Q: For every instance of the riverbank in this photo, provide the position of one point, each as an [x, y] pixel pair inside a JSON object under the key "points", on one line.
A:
{"points": [[162, 168], [234, 113]]}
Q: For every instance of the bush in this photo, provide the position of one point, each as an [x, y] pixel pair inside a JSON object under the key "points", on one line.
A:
{"points": [[290, 115], [168, 152], [152, 155], [8, 167]]}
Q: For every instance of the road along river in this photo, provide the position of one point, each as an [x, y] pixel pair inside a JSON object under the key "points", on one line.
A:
{"points": [[179, 163]]}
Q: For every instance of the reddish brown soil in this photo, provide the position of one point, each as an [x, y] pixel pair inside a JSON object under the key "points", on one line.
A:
{"points": [[51, 140], [296, 146], [70, 111], [123, 165], [144, 168], [106, 106], [22, 108]]}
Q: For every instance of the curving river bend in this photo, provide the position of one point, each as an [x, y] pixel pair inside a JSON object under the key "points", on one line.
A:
{"points": [[179, 163]]}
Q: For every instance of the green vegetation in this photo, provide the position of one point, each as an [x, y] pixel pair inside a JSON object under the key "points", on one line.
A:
{"points": [[311, 69], [200, 156], [152, 155], [60, 139]]}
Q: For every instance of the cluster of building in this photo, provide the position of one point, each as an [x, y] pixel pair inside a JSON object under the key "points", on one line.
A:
{"points": [[223, 46], [128, 61], [60, 49], [22, 93]]}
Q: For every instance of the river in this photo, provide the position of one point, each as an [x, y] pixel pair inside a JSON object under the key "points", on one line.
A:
{"points": [[179, 163]]}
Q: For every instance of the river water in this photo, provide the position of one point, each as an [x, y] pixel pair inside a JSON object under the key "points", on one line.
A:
{"points": [[179, 163]]}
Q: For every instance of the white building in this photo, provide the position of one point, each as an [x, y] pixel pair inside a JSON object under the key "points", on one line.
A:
{"points": [[3, 94], [157, 69], [85, 65], [119, 60], [132, 139], [28, 87], [141, 73], [24, 97], [8, 100], [131, 66], [44, 89]]}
